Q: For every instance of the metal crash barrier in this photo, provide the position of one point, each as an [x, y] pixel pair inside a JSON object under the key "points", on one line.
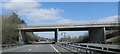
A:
{"points": [[102, 48]]}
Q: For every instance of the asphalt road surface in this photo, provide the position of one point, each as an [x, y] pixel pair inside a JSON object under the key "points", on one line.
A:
{"points": [[37, 49]]}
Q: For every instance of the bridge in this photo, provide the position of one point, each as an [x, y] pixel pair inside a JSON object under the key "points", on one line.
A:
{"points": [[98, 31]]}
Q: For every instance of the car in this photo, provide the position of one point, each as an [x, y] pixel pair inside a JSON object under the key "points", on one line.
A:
{"points": [[53, 42]]}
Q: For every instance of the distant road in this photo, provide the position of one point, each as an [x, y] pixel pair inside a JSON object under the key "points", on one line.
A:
{"points": [[42, 42], [38, 48]]}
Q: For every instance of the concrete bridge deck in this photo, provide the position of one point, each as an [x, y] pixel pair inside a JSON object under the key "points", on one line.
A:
{"points": [[69, 27]]}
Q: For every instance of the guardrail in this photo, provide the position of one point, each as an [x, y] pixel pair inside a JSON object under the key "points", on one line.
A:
{"points": [[90, 48], [113, 43]]}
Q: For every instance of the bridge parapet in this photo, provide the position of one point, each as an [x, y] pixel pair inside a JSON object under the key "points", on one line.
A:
{"points": [[77, 24]]}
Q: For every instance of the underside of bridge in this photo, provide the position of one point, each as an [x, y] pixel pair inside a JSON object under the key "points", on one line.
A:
{"points": [[95, 34], [23, 37]]}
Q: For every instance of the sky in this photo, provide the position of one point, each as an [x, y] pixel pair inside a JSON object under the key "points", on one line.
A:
{"points": [[36, 13], [67, 0]]}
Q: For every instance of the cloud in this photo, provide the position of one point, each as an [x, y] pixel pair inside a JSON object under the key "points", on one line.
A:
{"points": [[20, 4], [42, 14], [32, 10], [67, 21], [110, 19]]}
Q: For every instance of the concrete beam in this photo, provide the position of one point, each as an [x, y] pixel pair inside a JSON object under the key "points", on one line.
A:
{"points": [[97, 34]]}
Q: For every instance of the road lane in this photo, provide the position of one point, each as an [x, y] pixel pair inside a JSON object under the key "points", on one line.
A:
{"points": [[55, 49], [38, 48], [32, 48], [19, 49], [42, 48]]}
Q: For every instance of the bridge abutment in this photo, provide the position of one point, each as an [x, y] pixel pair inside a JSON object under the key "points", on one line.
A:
{"points": [[97, 34], [22, 37]]}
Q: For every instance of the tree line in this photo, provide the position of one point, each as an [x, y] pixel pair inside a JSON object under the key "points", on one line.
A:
{"points": [[81, 38], [10, 33]]}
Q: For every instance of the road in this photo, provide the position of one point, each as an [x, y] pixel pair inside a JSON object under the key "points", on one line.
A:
{"points": [[37, 49]]}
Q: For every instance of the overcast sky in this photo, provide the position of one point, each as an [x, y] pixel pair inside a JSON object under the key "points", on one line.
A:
{"points": [[36, 13]]}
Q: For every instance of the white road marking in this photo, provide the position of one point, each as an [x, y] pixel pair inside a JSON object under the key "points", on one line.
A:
{"points": [[29, 49], [55, 49]]}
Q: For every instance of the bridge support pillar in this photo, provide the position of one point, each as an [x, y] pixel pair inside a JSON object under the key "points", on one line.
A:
{"points": [[56, 35], [97, 35], [22, 37]]}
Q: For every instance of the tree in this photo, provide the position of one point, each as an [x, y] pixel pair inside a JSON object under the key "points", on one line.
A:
{"points": [[10, 32], [32, 37], [9, 28]]}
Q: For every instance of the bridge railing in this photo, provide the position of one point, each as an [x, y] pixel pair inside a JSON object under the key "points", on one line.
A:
{"points": [[89, 47]]}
